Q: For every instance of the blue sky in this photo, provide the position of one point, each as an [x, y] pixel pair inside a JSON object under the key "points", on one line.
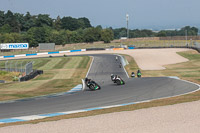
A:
{"points": [[149, 14]]}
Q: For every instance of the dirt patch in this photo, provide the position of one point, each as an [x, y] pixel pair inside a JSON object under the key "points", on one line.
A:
{"points": [[148, 59], [156, 59]]}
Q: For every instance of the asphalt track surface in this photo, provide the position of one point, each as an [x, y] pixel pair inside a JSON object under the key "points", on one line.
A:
{"points": [[103, 65]]}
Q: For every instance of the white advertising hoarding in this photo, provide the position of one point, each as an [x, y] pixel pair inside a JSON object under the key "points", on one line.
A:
{"points": [[14, 46]]}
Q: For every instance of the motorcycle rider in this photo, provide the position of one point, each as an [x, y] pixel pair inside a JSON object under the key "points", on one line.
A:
{"points": [[116, 78], [139, 74], [88, 82], [120, 65], [113, 77], [116, 58], [133, 75]]}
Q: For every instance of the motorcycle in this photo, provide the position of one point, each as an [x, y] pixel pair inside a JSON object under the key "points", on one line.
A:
{"points": [[117, 79], [139, 74], [92, 85]]}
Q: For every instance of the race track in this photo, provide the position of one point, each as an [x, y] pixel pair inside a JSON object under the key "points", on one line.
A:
{"points": [[103, 65]]}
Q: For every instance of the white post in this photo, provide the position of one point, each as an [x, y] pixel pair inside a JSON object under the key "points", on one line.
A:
{"points": [[186, 36], [127, 19], [83, 84]]}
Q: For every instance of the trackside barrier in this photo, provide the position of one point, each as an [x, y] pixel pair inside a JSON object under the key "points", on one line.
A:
{"points": [[31, 54], [56, 52], [79, 50], [94, 49], [118, 48], [31, 75], [88, 49], [45, 53], [131, 47]]}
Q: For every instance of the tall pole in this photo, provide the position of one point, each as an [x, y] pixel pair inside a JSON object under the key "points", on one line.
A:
{"points": [[186, 36], [127, 18]]}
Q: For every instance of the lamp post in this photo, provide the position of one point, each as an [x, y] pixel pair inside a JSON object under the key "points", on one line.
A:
{"points": [[127, 19], [186, 37]]}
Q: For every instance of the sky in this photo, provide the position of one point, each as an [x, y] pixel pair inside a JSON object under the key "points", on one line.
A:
{"points": [[143, 14]]}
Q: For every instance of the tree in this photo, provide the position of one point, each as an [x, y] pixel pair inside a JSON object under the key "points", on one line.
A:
{"points": [[120, 32], [5, 29], [7, 38], [69, 23], [57, 23], [29, 22], [92, 34], [107, 35], [88, 35], [57, 37], [17, 37], [2, 18], [12, 21], [39, 35], [43, 20], [72, 24], [161, 34], [84, 23], [20, 21]]}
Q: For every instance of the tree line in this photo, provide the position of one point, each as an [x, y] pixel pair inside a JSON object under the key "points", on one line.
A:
{"points": [[16, 27], [34, 29], [122, 32]]}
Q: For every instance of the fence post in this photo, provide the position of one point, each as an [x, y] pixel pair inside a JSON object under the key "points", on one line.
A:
{"points": [[10, 66], [16, 70], [6, 66]]}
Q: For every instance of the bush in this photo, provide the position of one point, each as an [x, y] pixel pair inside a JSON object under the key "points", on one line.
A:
{"points": [[15, 78]]}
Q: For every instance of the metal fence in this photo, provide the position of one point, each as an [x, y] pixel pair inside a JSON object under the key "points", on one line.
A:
{"points": [[46, 46], [29, 68], [197, 45], [18, 66]]}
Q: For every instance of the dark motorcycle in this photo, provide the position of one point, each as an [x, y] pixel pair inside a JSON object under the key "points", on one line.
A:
{"points": [[92, 85], [117, 79]]}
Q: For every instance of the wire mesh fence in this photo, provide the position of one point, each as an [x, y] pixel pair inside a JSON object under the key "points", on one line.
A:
{"points": [[18, 66]]}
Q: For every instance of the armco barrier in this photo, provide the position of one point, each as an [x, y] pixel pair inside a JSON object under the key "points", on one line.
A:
{"points": [[31, 54], [88, 49], [45, 53], [118, 48], [94, 49], [56, 52], [9, 56], [79, 50], [131, 47], [31, 75]]}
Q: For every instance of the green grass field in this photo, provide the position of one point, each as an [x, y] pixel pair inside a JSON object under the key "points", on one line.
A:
{"points": [[60, 75]]}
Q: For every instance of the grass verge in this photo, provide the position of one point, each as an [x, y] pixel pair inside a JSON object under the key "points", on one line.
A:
{"points": [[59, 76]]}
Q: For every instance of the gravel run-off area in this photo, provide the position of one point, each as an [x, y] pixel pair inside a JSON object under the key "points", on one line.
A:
{"points": [[180, 118]]}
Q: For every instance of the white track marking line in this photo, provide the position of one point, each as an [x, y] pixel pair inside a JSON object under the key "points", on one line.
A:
{"points": [[90, 66]]}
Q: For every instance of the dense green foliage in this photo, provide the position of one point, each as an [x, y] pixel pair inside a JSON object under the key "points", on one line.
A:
{"points": [[34, 29], [122, 32]]}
